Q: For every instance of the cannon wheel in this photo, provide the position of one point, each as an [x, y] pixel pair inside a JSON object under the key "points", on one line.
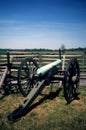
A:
{"points": [[26, 75], [71, 80]]}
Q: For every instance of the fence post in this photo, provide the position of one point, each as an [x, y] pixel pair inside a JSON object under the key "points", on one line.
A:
{"points": [[8, 61], [40, 58], [60, 53], [63, 63], [60, 57], [83, 62]]}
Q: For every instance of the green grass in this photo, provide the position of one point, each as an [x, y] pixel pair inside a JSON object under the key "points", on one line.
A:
{"points": [[48, 114]]}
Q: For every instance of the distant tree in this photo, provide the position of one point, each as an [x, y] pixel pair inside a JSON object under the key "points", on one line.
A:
{"points": [[63, 48]]}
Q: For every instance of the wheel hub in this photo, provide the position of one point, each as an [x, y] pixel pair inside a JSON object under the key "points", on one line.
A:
{"points": [[74, 79]]}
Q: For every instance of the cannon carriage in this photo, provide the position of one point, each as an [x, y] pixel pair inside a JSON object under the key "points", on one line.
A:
{"points": [[32, 80], [30, 76]]}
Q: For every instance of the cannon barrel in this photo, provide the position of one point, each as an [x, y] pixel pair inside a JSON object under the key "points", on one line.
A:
{"points": [[43, 70]]}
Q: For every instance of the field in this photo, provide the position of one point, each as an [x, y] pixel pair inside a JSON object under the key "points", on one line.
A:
{"points": [[47, 113]]}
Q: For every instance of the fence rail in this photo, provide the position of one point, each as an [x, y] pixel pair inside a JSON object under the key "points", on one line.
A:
{"points": [[43, 58]]}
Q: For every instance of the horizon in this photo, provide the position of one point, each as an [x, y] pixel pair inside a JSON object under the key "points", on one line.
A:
{"points": [[78, 48], [47, 24]]}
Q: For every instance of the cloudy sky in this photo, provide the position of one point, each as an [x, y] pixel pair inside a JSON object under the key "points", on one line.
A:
{"points": [[42, 23]]}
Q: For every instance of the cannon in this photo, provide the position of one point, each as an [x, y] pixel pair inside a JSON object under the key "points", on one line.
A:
{"points": [[32, 80]]}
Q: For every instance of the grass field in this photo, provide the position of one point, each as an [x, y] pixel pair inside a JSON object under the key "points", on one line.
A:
{"points": [[48, 113]]}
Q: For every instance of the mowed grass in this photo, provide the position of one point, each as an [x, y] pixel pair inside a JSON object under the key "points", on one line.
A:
{"points": [[48, 113]]}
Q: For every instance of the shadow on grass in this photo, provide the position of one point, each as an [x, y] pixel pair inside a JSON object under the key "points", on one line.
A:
{"points": [[22, 111], [49, 96]]}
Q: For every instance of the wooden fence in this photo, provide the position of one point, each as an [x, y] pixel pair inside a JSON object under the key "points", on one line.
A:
{"points": [[42, 58]]}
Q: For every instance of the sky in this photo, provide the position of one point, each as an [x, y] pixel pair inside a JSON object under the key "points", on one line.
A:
{"points": [[49, 24]]}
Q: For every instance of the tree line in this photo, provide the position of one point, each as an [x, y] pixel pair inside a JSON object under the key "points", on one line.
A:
{"points": [[44, 50]]}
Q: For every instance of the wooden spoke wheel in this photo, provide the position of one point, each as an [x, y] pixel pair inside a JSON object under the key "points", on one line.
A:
{"points": [[71, 80], [26, 75]]}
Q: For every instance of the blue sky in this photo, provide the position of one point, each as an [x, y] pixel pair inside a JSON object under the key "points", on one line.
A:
{"points": [[42, 24]]}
